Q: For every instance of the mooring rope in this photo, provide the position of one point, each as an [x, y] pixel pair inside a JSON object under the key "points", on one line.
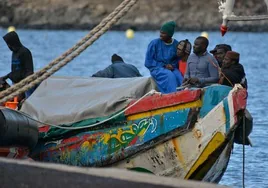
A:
{"points": [[41, 75], [244, 154]]}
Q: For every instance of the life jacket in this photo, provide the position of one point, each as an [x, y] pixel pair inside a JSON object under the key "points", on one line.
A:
{"points": [[12, 104], [182, 66]]}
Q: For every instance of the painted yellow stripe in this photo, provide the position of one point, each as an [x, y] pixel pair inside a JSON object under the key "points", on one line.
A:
{"points": [[215, 142], [194, 104], [179, 154]]}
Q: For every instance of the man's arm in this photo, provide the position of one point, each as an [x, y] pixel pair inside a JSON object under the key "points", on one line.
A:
{"points": [[27, 63], [213, 70], [187, 71], [150, 61], [106, 73]]}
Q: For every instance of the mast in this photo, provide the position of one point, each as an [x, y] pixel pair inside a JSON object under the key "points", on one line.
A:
{"points": [[227, 10]]}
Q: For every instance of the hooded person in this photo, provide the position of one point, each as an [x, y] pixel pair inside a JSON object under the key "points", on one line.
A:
{"points": [[162, 60], [232, 71], [183, 51], [21, 62], [118, 69]]}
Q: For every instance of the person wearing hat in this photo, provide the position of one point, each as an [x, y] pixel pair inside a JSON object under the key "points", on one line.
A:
{"points": [[219, 52], [162, 60], [118, 69], [183, 51], [202, 67], [232, 71]]}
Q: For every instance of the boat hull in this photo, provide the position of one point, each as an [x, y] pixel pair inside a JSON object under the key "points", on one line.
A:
{"points": [[187, 135]]}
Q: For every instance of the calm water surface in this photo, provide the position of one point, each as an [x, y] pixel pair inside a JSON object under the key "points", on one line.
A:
{"points": [[47, 45]]}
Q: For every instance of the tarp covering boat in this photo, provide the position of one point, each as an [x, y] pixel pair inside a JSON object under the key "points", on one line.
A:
{"points": [[66, 100]]}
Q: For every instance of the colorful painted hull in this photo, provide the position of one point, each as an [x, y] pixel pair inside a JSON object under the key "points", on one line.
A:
{"points": [[14, 152], [186, 134]]}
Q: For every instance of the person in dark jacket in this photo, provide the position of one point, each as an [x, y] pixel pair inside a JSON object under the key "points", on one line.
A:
{"points": [[219, 52], [183, 51], [118, 69], [21, 62], [232, 71]]}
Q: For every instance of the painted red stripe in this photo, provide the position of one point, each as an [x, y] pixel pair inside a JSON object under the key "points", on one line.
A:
{"points": [[44, 129], [165, 100], [239, 100]]}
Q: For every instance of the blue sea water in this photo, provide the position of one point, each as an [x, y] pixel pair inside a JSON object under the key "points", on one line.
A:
{"points": [[47, 45]]}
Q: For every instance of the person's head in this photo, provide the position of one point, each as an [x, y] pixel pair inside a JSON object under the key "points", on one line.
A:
{"points": [[12, 40], [184, 48], [230, 58], [200, 45], [219, 51], [115, 58], [167, 30]]}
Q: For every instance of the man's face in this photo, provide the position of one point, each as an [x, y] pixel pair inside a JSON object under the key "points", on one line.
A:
{"points": [[219, 55], [227, 62], [198, 47], [164, 36], [180, 51]]}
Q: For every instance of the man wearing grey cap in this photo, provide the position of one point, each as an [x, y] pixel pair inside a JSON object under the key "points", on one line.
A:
{"points": [[219, 52]]}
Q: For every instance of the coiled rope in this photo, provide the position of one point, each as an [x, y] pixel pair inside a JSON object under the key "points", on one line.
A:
{"points": [[69, 55]]}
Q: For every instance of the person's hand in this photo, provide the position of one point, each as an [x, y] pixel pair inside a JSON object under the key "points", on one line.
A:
{"points": [[221, 79], [220, 72], [4, 77], [2, 80], [194, 81], [169, 67], [185, 80]]}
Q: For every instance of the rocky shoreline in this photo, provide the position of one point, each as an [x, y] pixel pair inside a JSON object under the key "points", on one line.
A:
{"points": [[194, 15]]}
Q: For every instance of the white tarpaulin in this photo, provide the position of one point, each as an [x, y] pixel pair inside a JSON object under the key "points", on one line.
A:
{"points": [[65, 100]]}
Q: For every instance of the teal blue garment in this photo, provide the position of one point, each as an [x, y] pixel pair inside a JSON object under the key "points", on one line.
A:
{"points": [[158, 55]]}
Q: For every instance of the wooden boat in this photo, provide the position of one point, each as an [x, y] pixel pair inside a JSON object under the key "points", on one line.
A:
{"points": [[187, 134]]}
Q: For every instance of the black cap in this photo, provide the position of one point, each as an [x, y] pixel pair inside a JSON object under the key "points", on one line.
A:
{"points": [[116, 57], [226, 47]]}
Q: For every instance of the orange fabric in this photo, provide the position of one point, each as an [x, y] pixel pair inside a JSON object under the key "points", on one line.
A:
{"points": [[12, 104], [182, 66]]}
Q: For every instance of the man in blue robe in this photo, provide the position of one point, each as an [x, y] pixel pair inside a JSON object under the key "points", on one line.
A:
{"points": [[162, 60]]}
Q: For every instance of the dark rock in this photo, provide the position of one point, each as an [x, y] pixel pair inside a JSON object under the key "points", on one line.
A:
{"points": [[192, 15]]}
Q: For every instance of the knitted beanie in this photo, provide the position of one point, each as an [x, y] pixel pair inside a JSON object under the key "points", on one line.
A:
{"points": [[169, 28]]}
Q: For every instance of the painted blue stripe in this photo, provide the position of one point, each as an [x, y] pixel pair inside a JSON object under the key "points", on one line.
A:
{"points": [[227, 113], [213, 96]]}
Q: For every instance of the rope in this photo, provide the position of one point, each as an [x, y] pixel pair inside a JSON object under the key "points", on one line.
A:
{"points": [[244, 140], [92, 125], [221, 73], [247, 18], [41, 75], [227, 78]]}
